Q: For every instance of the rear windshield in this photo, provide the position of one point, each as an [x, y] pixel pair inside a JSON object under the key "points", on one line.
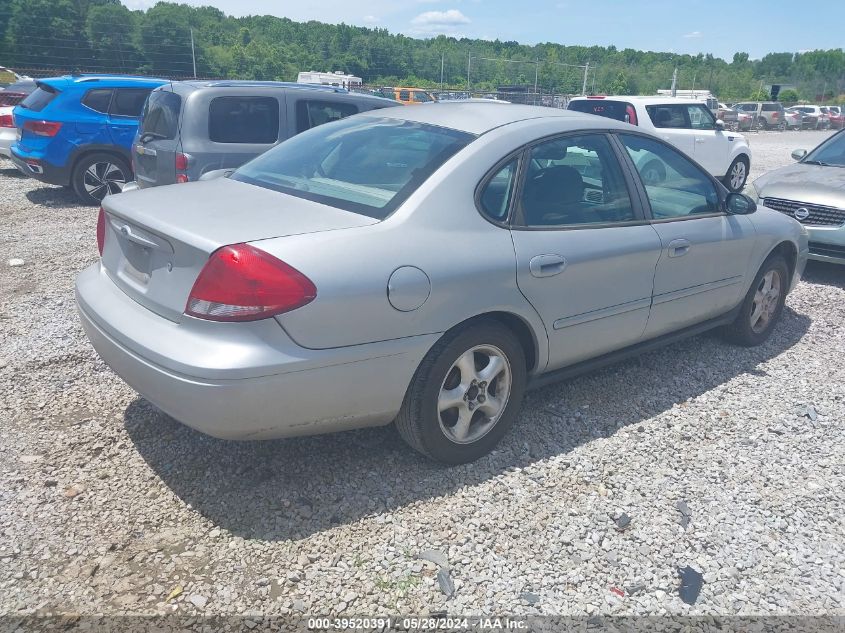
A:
{"points": [[160, 117], [616, 110], [772, 107], [365, 165], [244, 120], [39, 98]]}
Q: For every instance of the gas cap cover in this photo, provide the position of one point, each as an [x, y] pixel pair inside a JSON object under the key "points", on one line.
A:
{"points": [[408, 288]]}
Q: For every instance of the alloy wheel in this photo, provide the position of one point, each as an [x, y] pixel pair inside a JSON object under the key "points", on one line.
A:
{"points": [[738, 174], [765, 302], [474, 394], [101, 179]]}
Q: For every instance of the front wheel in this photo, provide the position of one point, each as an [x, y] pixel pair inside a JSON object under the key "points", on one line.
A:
{"points": [[97, 175], [465, 394], [762, 306], [737, 175]]}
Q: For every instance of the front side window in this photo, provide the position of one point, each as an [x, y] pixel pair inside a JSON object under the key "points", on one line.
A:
{"points": [[497, 193], [244, 120], [421, 97], [365, 165], [676, 188], [668, 116], [98, 100], [313, 113], [701, 118], [129, 102], [160, 117], [574, 180]]}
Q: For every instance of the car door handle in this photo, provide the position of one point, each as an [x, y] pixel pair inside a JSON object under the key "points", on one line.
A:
{"points": [[679, 247], [546, 265], [699, 140]]}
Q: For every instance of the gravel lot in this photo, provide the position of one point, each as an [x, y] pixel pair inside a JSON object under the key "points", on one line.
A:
{"points": [[108, 507]]}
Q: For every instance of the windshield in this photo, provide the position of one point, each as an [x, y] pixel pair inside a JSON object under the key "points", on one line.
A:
{"points": [[160, 116], [362, 164], [831, 152]]}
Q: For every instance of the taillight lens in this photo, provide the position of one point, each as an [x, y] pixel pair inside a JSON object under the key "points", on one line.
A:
{"points": [[632, 115], [7, 120], [101, 231], [243, 283], [43, 128], [182, 161], [182, 178]]}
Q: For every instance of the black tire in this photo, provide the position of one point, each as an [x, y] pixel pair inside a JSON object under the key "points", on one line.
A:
{"points": [[761, 124], [741, 331], [728, 180], [419, 421], [97, 175]]}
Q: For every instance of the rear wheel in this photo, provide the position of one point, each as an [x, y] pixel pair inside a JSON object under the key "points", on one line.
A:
{"points": [[737, 174], [761, 123], [465, 394], [97, 175], [762, 306]]}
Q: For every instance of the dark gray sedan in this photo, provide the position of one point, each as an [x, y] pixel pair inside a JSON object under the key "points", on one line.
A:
{"points": [[424, 265]]}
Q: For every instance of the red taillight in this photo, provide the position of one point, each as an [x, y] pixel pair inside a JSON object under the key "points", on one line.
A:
{"points": [[243, 283], [43, 128], [101, 231], [182, 178], [182, 161], [774, 115], [7, 120], [631, 114]]}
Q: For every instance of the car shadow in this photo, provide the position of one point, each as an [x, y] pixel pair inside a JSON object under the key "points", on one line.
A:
{"points": [[53, 197], [825, 273], [288, 489]]}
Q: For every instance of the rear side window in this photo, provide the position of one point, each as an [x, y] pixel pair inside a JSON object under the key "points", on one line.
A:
{"points": [[668, 116], [244, 120], [404, 95], [129, 102], [97, 100], [39, 98], [616, 110], [160, 117], [313, 113]]}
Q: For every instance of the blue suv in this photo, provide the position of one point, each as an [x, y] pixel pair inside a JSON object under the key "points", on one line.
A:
{"points": [[77, 131]]}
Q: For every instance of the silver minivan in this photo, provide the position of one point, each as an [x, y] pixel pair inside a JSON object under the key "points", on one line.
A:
{"points": [[190, 128]]}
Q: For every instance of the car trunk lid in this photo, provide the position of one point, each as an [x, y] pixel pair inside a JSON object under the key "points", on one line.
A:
{"points": [[158, 240]]}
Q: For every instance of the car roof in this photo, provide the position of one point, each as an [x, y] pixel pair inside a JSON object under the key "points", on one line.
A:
{"points": [[109, 81], [478, 118], [643, 99], [226, 84]]}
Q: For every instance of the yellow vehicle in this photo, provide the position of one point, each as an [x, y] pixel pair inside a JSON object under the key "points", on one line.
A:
{"points": [[408, 96]]}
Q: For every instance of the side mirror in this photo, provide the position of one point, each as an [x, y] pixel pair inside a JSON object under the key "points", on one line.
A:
{"points": [[217, 173], [798, 154], [720, 125], [740, 204]]}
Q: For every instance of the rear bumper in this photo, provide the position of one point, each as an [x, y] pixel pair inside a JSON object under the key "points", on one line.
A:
{"points": [[194, 370], [36, 167]]}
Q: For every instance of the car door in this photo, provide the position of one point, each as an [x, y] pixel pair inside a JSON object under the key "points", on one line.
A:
{"points": [[704, 251], [126, 107], [585, 253], [672, 125], [712, 147]]}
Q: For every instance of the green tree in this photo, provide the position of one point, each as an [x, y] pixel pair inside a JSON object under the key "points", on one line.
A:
{"points": [[789, 96]]}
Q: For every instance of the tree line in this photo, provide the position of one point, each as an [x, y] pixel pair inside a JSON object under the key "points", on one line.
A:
{"points": [[45, 37]]}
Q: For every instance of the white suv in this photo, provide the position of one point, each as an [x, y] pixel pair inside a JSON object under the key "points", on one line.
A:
{"points": [[688, 125]]}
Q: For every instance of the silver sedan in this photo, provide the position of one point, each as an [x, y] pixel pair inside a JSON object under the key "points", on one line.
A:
{"points": [[424, 266]]}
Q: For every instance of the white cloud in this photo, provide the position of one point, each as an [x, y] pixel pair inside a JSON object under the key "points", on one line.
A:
{"points": [[440, 19], [693, 35], [370, 19]]}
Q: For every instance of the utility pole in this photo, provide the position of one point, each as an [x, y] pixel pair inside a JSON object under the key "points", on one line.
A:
{"points": [[536, 78], [693, 84], [193, 55], [675, 82], [584, 84], [469, 65], [442, 62]]}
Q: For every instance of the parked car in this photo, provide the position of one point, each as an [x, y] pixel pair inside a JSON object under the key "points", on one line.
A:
{"points": [[190, 128], [10, 96], [768, 115], [689, 126], [408, 96], [794, 119], [735, 120], [424, 265], [814, 118], [77, 131], [813, 192], [836, 117]]}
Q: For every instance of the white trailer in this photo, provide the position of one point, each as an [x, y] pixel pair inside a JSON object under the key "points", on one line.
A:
{"points": [[338, 79]]}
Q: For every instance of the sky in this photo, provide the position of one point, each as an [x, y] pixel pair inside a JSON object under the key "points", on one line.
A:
{"points": [[756, 27]]}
